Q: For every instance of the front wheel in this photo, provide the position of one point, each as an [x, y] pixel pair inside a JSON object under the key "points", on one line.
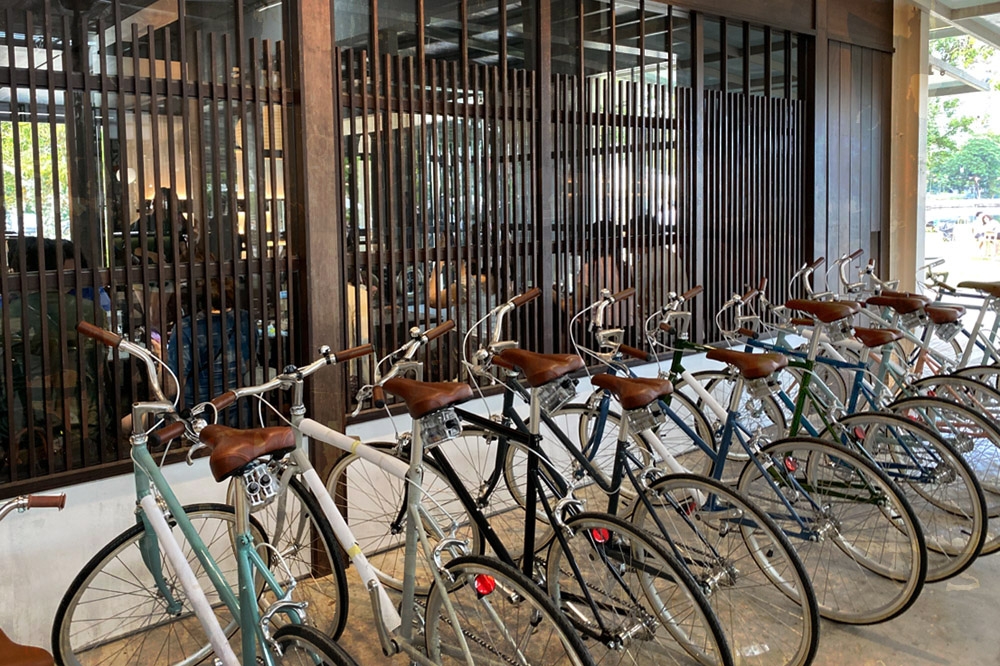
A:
{"points": [[934, 478], [500, 618], [115, 613], [306, 646], [633, 601], [851, 526], [755, 581]]}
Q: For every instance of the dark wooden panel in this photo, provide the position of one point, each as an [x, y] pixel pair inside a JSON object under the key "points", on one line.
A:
{"points": [[865, 23]]}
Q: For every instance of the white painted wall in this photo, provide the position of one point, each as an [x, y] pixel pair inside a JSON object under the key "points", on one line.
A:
{"points": [[41, 551]]}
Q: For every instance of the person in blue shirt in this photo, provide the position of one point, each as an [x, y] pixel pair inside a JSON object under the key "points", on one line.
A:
{"points": [[209, 349]]}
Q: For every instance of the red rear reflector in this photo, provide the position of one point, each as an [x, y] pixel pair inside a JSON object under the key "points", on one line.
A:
{"points": [[791, 464], [600, 534], [485, 584]]}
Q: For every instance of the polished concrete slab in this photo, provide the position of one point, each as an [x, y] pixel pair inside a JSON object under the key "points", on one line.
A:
{"points": [[952, 623]]}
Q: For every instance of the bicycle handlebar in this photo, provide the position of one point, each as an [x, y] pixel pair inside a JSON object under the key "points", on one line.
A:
{"points": [[857, 253], [753, 291], [635, 352], [526, 297], [628, 292], [102, 335], [438, 330], [691, 293], [47, 501], [816, 264]]}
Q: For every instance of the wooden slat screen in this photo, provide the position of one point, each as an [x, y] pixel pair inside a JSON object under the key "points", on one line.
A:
{"points": [[143, 189]]}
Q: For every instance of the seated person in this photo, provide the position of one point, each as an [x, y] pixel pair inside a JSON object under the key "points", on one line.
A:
{"points": [[206, 368], [53, 391]]}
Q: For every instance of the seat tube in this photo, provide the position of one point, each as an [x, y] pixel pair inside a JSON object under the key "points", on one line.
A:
{"points": [[967, 353], [247, 591], [414, 495], [531, 498]]}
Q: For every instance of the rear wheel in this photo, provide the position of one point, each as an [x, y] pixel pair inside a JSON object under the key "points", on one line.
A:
{"points": [[375, 502], [301, 534], [934, 478], [975, 436]]}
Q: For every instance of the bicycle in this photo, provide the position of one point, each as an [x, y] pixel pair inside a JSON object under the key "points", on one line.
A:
{"points": [[140, 598], [475, 610], [618, 588], [755, 581], [939, 484], [11, 653], [821, 494]]}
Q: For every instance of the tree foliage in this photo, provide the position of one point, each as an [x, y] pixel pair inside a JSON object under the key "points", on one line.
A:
{"points": [[975, 168], [963, 51]]}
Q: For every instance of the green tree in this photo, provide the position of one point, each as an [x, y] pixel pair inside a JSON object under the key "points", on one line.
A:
{"points": [[975, 168], [963, 51], [947, 129]]}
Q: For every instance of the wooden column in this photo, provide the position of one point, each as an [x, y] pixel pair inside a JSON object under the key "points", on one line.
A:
{"points": [[319, 241], [908, 152]]}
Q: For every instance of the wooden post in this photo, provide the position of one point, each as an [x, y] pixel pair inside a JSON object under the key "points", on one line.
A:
{"points": [[908, 151]]}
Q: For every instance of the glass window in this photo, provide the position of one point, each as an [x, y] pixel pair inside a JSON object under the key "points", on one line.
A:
{"points": [[596, 37], [351, 21], [734, 57], [713, 54], [755, 51], [778, 68], [397, 28]]}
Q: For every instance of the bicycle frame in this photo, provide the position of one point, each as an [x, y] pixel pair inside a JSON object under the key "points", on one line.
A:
{"points": [[151, 489]]}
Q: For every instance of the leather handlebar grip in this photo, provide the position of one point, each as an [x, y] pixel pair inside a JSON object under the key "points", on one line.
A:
{"points": [[814, 265], [103, 336], [692, 292], [748, 295], [439, 330], [762, 285], [46, 501], [527, 296], [378, 396], [353, 353], [171, 432], [223, 401], [628, 292], [635, 352], [857, 253]]}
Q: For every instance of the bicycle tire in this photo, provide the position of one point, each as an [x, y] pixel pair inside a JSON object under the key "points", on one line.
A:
{"points": [[143, 631], [375, 503], [966, 391], [975, 437], [865, 551], [303, 645], [935, 479], [755, 581], [484, 592], [629, 597], [306, 542], [985, 374]]}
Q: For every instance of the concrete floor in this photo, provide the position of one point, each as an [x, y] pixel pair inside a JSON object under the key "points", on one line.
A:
{"points": [[953, 623]]}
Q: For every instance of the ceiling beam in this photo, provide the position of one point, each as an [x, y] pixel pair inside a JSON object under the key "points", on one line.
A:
{"points": [[957, 74], [975, 11]]}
